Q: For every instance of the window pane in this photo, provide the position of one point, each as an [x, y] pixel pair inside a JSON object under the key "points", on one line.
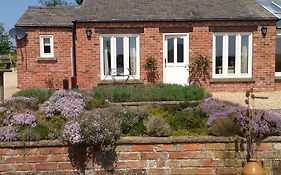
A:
{"points": [[180, 50], [106, 56], [231, 54], [47, 49], [218, 65], [119, 56], [171, 50], [133, 55], [244, 54], [47, 41], [278, 55]]}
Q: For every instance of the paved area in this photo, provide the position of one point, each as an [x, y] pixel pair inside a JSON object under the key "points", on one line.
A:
{"points": [[10, 84], [268, 100]]}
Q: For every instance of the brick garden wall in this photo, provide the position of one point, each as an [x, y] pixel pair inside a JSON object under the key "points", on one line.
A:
{"points": [[136, 155], [34, 73]]}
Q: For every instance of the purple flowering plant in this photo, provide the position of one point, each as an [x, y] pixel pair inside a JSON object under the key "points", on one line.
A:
{"points": [[70, 104]]}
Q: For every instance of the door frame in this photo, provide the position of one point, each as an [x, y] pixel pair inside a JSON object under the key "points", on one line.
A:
{"points": [[186, 53]]}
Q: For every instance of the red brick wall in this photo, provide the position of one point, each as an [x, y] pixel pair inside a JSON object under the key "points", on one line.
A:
{"points": [[36, 73], [151, 44], [215, 156]]}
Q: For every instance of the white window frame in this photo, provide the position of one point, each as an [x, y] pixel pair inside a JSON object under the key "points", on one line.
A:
{"points": [[46, 55], [238, 73], [278, 34], [126, 56]]}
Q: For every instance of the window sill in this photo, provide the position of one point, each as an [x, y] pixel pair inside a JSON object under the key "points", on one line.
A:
{"points": [[232, 80], [46, 59], [278, 77], [110, 82]]}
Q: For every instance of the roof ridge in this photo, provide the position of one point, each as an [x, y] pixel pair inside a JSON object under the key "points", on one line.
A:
{"points": [[54, 7]]}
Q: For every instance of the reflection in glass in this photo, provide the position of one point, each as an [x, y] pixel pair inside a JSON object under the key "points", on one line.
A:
{"points": [[278, 54], [132, 55], [244, 54], [231, 54], [218, 62], [180, 50], [106, 56], [171, 50], [119, 56]]}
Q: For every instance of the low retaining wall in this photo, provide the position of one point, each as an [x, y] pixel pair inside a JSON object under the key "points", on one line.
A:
{"points": [[136, 155]]}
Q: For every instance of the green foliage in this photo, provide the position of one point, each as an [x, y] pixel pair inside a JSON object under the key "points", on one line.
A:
{"points": [[96, 103], [51, 3], [228, 126], [151, 67], [182, 119], [152, 92], [199, 70], [5, 44], [41, 94], [45, 129], [132, 121], [157, 127]]}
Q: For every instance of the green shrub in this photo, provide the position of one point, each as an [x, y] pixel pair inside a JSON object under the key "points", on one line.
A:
{"points": [[40, 93], [152, 92], [132, 121], [45, 129], [157, 127]]}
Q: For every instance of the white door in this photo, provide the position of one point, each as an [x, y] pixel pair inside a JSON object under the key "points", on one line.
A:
{"points": [[175, 54]]}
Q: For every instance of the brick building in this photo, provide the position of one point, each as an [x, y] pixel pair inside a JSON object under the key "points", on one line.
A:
{"points": [[105, 41]]}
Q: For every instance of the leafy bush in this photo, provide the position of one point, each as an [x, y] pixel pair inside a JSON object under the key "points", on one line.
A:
{"points": [[39, 93], [152, 92], [157, 127], [225, 127], [67, 103], [132, 121]]}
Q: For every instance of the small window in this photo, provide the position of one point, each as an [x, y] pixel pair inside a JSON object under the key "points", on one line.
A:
{"points": [[232, 55], [46, 46]]}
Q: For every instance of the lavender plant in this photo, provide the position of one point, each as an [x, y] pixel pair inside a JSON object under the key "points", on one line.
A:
{"points": [[72, 132], [19, 103], [100, 128], [25, 118], [8, 133], [67, 103]]}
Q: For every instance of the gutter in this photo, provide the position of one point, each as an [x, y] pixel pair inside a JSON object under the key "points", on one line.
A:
{"points": [[74, 76]]}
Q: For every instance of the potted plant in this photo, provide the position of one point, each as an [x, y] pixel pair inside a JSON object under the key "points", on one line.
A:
{"points": [[254, 130], [151, 67]]}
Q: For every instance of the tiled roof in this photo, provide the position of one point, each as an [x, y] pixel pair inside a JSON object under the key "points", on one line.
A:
{"points": [[49, 16], [146, 10]]}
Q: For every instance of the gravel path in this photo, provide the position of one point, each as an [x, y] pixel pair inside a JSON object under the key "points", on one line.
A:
{"points": [[269, 100]]}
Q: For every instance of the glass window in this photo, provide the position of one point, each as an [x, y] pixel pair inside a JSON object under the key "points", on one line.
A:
{"points": [[244, 54], [232, 55], [171, 50], [106, 56], [120, 56], [133, 55], [180, 51], [218, 51], [46, 46]]}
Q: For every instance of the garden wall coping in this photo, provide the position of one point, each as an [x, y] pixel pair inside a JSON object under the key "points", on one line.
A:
{"points": [[136, 140], [153, 103]]}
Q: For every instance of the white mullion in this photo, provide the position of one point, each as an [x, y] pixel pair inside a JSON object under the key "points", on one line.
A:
{"points": [[238, 56], [138, 57], [250, 57], [225, 56], [101, 59], [214, 56], [175, 51], [113, 55], [126, 50]]}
